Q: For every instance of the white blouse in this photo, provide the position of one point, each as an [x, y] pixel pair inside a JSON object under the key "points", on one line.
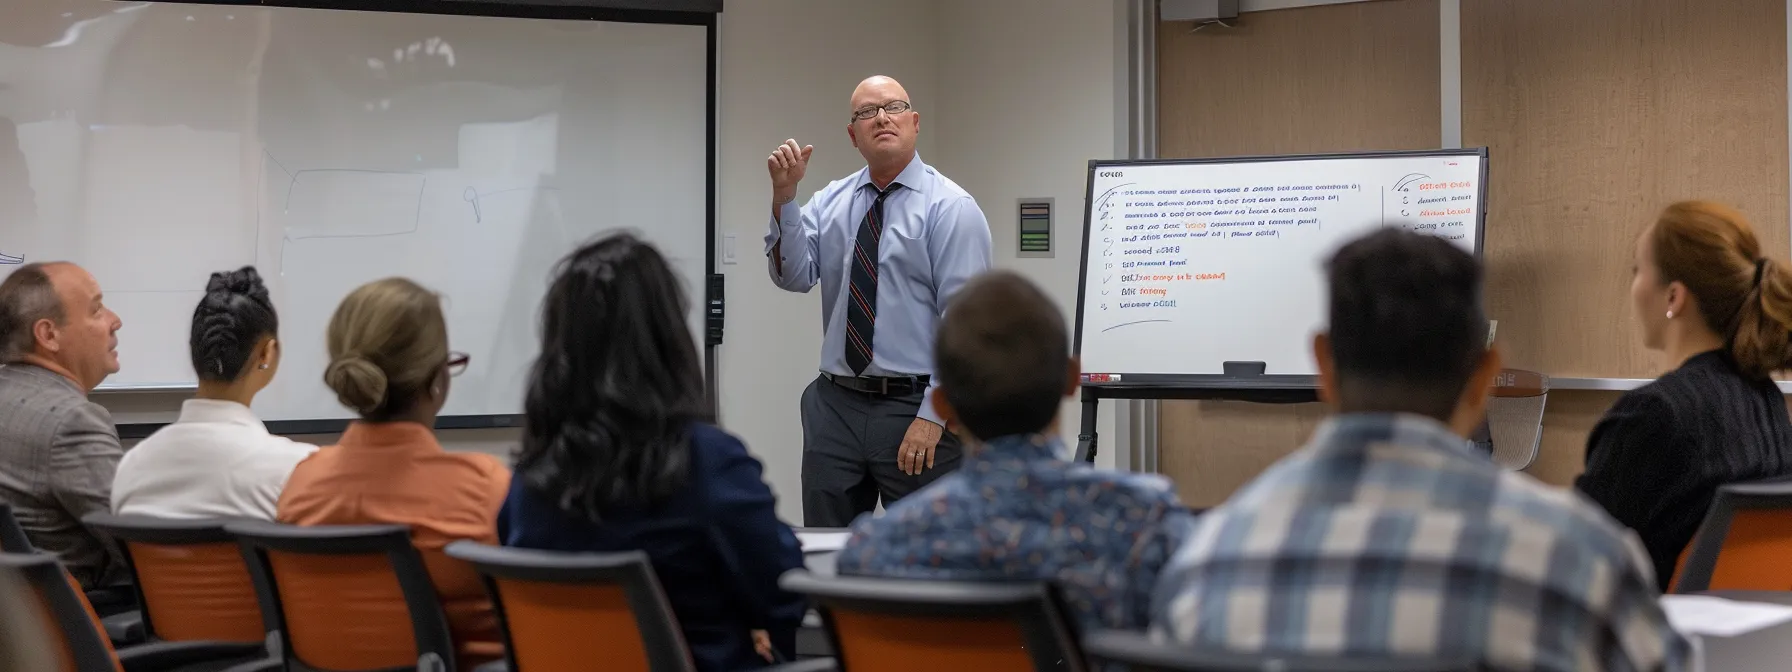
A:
{"points": [[217, 461]]}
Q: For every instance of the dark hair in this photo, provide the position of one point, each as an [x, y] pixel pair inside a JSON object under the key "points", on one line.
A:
{"points": [[617, 386], [1743, 295], [1001, 354], [26, 296], [229, 322], [1407, 323]]}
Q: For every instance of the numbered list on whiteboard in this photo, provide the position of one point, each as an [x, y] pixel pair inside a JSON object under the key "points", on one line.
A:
{"points": [[1193, 265]]}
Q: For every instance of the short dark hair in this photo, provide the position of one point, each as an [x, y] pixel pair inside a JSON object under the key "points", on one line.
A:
{"points": [[229, 322], [618, 386], [1407, 323], [1001, 354], [26, 296]]}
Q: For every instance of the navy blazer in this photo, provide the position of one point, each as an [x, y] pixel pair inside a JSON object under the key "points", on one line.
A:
{"points": [[718, 548]]}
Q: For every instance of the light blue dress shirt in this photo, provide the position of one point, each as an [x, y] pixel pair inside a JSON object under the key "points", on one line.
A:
{"points": [[935, 238]]}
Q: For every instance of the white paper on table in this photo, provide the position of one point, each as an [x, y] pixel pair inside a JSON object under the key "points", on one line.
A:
{"points": [[1718, 617], [822, 542]]}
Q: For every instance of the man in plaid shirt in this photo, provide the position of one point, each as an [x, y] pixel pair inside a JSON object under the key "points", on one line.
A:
{"points": [[1389, 535]]}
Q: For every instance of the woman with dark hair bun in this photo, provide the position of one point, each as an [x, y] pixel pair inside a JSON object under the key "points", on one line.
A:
{"points": [[1706, 295], [618, 454], [217, 460]]}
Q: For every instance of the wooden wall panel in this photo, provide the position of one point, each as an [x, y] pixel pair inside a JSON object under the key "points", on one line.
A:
{"points": [[1317, 79], [1356, 76], [1567, 418], [1597, 113]]}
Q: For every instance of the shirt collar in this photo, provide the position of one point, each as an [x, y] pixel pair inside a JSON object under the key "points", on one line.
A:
{"points": [[1021, 447], [220, 411], [396, 435], [1355, 431], [910, 177]]}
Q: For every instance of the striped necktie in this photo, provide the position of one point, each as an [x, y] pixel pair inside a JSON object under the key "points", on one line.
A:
{"points": [[861, 308]]}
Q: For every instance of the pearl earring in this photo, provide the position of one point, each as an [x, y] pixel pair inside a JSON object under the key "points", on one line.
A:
{"points": [[264, 367], [1670, 314]]}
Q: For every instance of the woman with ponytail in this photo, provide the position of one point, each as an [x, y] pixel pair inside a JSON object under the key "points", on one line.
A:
{"points": [[390, 364], [1706, 295], [217, 460]]}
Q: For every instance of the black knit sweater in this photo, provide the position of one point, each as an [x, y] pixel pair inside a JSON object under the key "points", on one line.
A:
{"points": [[1657, 457]]}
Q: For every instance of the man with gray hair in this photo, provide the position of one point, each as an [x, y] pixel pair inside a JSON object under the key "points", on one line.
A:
{"points": [[58, 450]]}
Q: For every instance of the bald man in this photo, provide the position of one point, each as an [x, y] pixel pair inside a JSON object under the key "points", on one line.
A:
{"points": [[889, 245]]}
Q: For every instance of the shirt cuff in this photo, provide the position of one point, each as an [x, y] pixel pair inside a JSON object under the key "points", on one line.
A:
{"points": [[926, 412]]}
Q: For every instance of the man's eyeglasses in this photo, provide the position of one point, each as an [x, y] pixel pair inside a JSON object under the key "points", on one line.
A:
{"points": [[891, 108], [457, 363]]}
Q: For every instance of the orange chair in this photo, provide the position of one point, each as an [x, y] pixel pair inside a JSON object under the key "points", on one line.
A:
{"points": [[1745, 542], [122, 627], [194, 585], [899, 625], [349, 598], [569, 611], [1139, 653], [565, 611], [80, 645], [25, 635], [80, 641]]}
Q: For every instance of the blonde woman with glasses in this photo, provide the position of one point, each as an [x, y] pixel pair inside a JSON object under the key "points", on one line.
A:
{"points": [[390, 363]]}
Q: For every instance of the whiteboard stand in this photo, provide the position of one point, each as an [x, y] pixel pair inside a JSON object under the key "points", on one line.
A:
{"points": [[1269, 392]]}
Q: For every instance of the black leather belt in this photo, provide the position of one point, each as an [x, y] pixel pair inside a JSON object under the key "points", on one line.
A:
{"points": [[880, 385]]}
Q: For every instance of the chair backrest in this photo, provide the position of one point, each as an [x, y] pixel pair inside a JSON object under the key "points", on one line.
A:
{"points": [[1140, 654], [566, 611], [1515, 417], [349, 598], [190, 577], [75, 632], [897, 624], [1744, 541], [12, 535]]}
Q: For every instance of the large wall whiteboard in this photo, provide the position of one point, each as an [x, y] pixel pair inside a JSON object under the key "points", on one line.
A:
{"points": [[156, 143], [1190, 264]]}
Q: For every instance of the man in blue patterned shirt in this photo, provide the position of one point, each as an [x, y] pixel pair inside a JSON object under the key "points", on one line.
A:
{"points": [[1016, 508], [1389, 534]]}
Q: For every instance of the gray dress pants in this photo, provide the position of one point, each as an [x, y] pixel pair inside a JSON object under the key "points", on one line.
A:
{"points": [[850, 440]]}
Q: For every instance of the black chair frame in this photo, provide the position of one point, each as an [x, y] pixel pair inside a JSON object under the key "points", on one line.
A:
{"points": [[1036, 607], [1139, 653], [429, 625], [1708, 542]]}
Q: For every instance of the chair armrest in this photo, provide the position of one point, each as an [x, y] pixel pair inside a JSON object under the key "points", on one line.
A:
{"points": [[158, 656], [810, 665], [494, 666], [124, 628]]}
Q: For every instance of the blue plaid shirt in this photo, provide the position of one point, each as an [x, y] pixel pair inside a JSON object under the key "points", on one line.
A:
{"points": [[1388, 535], [1016, 510]]}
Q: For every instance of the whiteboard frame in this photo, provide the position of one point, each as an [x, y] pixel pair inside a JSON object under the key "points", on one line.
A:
{"points": [[701, 13], [1271, 388]]}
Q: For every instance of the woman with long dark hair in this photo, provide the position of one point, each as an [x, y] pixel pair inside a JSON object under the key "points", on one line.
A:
{"points": [[618, 454]]}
